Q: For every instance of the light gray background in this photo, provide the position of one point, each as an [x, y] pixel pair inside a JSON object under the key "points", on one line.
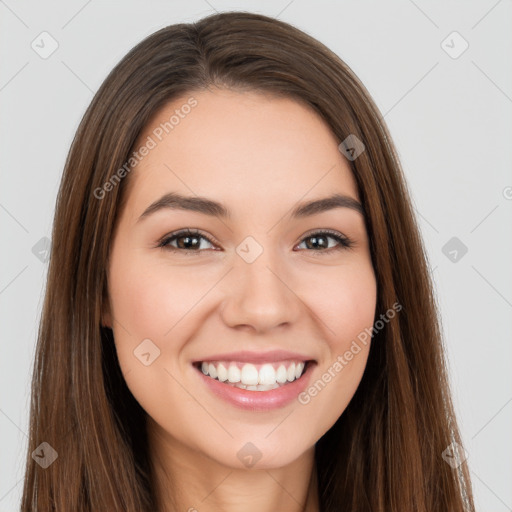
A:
{"points": [[450, 119]]}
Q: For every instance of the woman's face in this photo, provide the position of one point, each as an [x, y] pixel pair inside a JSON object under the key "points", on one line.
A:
{"points": [[258, 296]]}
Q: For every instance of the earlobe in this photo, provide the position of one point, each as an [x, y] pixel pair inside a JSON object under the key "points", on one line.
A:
{"points": [[106, 320]]}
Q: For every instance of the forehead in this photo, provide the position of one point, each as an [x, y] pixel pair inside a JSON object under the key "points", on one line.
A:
{"points": [[241, 148]]}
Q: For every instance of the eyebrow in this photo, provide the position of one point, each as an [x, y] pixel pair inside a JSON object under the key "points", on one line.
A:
{"points": [[175, 201]]}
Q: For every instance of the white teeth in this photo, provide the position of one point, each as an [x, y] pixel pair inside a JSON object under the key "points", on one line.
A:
{"points": [[281, 375], [298, 369], [222, 372], [249, 375], [212, 371], [291, 372], [267, 375], [268, 387], [233, 373], [259, 387]]}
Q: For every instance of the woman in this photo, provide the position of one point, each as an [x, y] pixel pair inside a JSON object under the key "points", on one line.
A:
{"points": [[238, 313]]}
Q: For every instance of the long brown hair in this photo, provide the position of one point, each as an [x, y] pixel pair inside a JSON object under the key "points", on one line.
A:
{"points": [[385, 451]]}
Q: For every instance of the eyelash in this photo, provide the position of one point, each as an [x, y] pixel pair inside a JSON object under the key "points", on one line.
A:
{"points": [[344, 242]]}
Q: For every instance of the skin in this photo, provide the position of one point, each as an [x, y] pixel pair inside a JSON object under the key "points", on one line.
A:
{"points": [[258, 155]]}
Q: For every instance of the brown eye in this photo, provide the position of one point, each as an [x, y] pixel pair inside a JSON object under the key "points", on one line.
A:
{"points": [[319, 241], [186, 240], [193, 241]]}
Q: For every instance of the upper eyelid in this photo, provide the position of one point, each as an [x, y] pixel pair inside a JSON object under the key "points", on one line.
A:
{"points": [[186, 231]]}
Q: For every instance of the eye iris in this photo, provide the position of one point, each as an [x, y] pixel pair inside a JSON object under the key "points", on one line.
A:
{"points": [[316, 244], [187, 244]]}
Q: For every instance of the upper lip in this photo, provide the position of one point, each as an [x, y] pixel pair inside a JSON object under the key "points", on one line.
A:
{"points": [[257, 357]]}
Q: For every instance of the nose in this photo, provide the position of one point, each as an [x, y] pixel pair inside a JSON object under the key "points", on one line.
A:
{"points": [[260, 295]]}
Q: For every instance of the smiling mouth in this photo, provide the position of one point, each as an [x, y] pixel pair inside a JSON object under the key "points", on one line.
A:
{"points": [[254, 377]]}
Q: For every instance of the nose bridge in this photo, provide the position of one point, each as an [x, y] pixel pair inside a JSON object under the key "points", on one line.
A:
{"points": [[259, 294]]}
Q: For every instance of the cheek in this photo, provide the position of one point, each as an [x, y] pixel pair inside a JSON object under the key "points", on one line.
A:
{"points": [[346, 305], [345, 302], [150, 301], [149, 304]]}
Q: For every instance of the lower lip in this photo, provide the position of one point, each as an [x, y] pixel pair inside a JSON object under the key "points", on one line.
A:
{"points": [[259, 400]]}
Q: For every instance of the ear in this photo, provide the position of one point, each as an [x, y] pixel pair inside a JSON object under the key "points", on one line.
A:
{"points": [[106, 320]]}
